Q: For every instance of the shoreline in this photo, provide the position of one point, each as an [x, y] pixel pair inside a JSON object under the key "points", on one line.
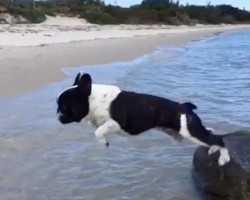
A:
{"points": [[28, 68]]}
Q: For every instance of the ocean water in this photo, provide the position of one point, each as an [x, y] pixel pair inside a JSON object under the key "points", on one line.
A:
{"points": [[44, 160]]}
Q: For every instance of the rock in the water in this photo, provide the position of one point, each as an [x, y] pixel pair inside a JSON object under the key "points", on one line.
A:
{"points": [[232, 179]]}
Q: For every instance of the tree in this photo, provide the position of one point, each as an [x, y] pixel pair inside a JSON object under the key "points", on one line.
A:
{"points": [[156, 2], [92, 2]]}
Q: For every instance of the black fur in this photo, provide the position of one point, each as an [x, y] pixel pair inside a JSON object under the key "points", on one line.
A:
{"points": [[137, 113], [73, 104]]}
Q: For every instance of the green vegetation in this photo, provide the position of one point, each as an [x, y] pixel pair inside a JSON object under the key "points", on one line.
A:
{"points": [[33, 15], [148, 12]]}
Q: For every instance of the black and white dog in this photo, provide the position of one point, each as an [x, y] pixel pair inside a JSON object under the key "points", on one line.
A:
{"points": [[112, 110]]}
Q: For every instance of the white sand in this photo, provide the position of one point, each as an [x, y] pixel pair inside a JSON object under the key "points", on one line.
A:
{"points": [[32, 56], [65, 29]]}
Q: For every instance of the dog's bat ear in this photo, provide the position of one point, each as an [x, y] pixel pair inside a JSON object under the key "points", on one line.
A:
{"points": [[188, 107], [84, 84], [77, 78]]}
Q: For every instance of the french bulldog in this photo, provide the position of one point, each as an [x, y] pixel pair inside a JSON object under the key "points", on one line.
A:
{"points": [[112, 110]]}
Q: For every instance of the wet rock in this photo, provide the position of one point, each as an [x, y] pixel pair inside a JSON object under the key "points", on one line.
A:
{"points": [[232, 180]]}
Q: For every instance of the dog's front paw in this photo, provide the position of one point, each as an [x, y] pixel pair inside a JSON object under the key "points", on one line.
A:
{"points": [[107, 144], [224, 157], [213, 149], [101, 138], [103, 141]]}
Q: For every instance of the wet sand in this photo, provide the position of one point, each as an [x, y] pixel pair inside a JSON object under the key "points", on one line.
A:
{"points": [[27, 68]]}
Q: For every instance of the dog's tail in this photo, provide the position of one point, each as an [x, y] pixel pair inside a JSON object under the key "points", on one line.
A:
{"points": [[188, 107]]}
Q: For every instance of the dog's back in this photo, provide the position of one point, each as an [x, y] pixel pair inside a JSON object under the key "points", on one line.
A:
{"points": [[137, 112]]}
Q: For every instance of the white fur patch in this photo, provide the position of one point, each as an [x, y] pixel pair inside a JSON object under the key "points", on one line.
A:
{"points": [[211, 130], [99, 111], [224, 156], [99, 103], [213, 149]]}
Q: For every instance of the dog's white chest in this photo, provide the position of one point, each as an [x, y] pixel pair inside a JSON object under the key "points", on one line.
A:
{"points": [[99, 103]]}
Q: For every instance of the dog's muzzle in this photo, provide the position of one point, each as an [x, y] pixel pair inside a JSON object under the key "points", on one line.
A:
{"points": [[62, 118]]}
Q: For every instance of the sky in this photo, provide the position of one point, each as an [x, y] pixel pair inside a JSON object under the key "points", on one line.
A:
{"points": [[236, 3]]}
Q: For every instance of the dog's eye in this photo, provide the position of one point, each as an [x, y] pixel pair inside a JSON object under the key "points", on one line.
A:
{"points": [[65, 107]]}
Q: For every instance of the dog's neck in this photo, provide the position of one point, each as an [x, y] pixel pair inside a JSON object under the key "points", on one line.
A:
{"points": [[101, 91]]}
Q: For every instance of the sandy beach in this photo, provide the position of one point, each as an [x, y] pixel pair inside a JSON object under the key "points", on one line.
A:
{"points": [[32, 56]]}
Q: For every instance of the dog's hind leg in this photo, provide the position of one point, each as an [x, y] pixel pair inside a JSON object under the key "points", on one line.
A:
{"points": [[213, 148], [175, 136], [192, 129]]}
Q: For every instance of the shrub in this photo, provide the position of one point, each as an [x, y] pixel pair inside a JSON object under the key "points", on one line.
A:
{"points": [[184, 18], [99, 18], [133, 20], [174, 21], [121, 14], [31, 14], [147, 15], [228, 19]]}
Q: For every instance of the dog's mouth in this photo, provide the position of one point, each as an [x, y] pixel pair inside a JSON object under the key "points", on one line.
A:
{"points": [[65, 119]]}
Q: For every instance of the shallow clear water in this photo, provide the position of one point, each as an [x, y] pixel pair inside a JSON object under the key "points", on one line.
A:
{"points": [[42, 159]]}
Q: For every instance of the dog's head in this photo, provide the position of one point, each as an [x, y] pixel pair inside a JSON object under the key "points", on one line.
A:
{"points": [[73, 103]]}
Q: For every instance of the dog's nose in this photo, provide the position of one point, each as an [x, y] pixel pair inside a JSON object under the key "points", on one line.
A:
{"points": [[60, 118], [63, 119]]}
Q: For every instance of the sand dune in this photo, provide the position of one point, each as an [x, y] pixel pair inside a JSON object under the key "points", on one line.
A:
{"points": [[65, 21]]}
